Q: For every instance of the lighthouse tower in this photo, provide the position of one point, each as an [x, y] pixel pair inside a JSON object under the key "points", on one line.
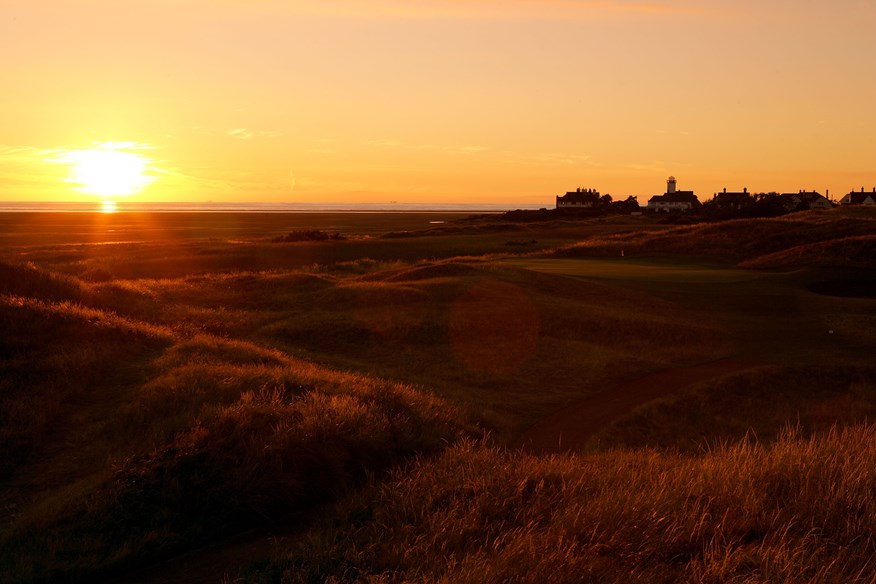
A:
{"points": [[670, 184]]}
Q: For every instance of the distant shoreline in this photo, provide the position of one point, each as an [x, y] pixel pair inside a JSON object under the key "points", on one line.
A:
{"points": [[26, 228], [123, 207]]}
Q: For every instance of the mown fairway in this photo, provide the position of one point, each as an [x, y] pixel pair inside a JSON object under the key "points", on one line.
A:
{"points": [[770, 314], [633, 271]]}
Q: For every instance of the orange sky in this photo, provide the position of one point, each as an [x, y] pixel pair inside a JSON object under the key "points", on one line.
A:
{"points": [[439, 100]]}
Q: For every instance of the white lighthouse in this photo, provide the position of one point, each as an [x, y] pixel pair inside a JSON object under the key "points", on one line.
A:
{"points": [[670, 185]]}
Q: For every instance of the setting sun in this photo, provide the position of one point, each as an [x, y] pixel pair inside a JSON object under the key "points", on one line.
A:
{"points": [[438, 290], [107, 171]]}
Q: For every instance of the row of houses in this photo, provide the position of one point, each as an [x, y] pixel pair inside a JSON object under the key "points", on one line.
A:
{"points": [[674, 200], [790, 201], [862, 198]]}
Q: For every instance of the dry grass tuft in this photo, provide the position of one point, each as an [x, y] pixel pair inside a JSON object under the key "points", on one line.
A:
{"points": [[801, 510], [31, 281], [430, 271], [57, 356], [760, 401], [739, 240], [92, 316], [851, 252], [150, 403], [224, 436]]}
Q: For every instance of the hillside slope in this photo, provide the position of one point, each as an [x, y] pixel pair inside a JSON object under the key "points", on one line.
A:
{"points": [[835, 234]]}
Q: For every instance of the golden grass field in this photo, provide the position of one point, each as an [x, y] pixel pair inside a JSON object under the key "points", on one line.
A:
{"points": [[172, 382]]}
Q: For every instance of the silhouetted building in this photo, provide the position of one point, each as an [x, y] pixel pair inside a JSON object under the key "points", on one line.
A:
{"points": [[580, 199], [732, 200], [862, 198], [673, 199], [804, 200]]}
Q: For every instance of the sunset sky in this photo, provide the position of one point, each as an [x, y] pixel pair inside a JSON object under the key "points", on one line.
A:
{"points": [[434, 100]]}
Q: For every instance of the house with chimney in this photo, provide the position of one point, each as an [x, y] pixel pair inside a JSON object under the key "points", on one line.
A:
{"points": [[580, 199], [860, 198], [732, 200], [673, 200], [804, 200]]}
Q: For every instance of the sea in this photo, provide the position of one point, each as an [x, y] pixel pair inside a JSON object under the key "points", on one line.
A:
{"points": [[211, 207]]}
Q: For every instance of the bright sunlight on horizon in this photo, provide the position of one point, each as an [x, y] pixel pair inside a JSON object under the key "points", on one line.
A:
{"points": [[433, 101], [107, 171]]}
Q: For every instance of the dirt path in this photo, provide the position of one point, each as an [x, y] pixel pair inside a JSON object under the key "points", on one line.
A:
{"points": [[571, 428]]}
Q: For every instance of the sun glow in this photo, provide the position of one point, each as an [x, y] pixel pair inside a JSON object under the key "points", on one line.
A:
{"points": [[107, 170]]}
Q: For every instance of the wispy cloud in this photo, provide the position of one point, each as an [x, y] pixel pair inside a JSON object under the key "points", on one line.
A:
{"points": [[247, 134], [478, 9], [241, 133], [24, 153], [25, 171], [449, 148], [123, 146], [545, 159], [566, 159], [674, 132], [653, 166], [472, 149], [210, 182], [385, 143]]}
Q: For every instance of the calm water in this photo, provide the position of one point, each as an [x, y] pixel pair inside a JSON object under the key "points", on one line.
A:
{"points": [[260, 207]]}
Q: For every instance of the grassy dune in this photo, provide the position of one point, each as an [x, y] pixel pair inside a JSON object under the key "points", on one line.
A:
{"points": [[488, 337], [56, 357], [760, 402], [817, 238], [852, 251], [160, 392], [800, 510], [205, 436]]}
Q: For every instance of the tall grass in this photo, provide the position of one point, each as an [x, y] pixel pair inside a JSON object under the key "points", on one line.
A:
{"points": [[150, 402], [800, 510], [741, 239], [508, 343], [56, 357], [761, 401], [223, 436], [854, 251], [29, 280]]}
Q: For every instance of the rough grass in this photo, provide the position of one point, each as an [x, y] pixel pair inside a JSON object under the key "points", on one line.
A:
{"points": [[760, 402], [799, 510], [159, 394], [233, 447], [206, 436], [29, 280], [850, 252], [491, 338], [738, 240], [58, 355]]}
